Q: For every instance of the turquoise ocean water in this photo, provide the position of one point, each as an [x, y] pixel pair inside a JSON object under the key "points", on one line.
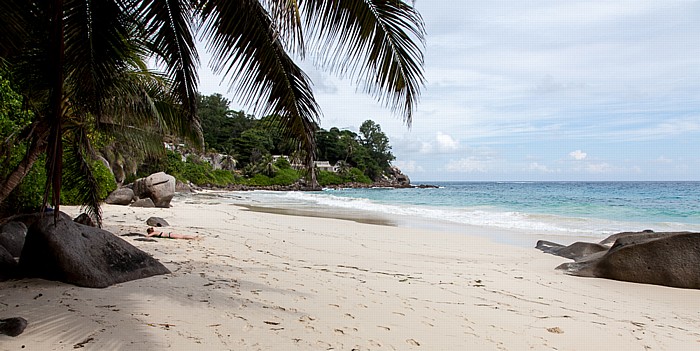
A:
{"points": [[576, 208]]}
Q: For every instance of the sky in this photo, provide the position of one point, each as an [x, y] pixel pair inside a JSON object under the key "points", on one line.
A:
{"points": [[540, 91]]}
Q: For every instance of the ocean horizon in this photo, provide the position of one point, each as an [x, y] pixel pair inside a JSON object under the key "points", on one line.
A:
{"points": [[562, 208]]}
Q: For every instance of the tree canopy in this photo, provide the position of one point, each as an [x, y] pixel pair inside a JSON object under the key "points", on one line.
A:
{"points": [[78, 62]]}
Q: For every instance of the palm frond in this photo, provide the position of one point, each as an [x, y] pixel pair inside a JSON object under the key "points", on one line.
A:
{"points": [[79, 173], [246, 47], [378, 41], [167, 23], [14, 20], [97, 42], [287, 17]]}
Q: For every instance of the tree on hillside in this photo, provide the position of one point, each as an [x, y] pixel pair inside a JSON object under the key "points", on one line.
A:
{"points": [[72, 58], [377, 144], [220, 125]]}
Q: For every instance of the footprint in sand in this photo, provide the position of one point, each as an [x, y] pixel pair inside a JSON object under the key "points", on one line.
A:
{"points": [[412, 342], [306, 318], [555, 330]]}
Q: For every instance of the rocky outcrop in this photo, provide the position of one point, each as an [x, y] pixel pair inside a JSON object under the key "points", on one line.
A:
{"points": [[122, 196], [85, 219], [181, 187], [157, 222], [395, 176], [13, 326], [8, 265], [159, 187], [575, 251], [12, 236], [147, 202], [669, 259], [82, 255]]}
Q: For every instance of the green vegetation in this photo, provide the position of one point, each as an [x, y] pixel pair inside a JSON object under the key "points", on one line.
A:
{"points": [[251, 142], [81, 84], [81, 70]]}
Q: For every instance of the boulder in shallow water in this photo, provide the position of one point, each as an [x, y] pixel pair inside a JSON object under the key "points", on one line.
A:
{"points": [[83, 255], [670, 260]]}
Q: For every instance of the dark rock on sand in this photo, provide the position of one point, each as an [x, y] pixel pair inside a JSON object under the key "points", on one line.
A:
{"points": [[646, 234], [12, 237], [122, 196], [12, 326], [181, 187], [8, 265], [548, 246], [575, 251], [85, 219], [147, 202], [671, 260], [157, 222], [82, 255], [160, 187], [30, 218]]}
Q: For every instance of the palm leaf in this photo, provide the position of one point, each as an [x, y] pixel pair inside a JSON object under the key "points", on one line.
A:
{"points": [[79, 174], [97, 41], [247, 48], [167, 25], [15, 15], [378, 41]]}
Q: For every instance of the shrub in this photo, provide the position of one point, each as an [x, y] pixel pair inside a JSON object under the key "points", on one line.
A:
{"points": [[326, 178], [28, 196], [105, 180]]}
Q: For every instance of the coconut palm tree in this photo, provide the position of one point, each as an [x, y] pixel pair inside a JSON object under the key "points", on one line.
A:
{"points": [[71, 59]]}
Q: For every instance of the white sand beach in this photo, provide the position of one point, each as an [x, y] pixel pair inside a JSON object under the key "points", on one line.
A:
{"points": [[265, 281]]}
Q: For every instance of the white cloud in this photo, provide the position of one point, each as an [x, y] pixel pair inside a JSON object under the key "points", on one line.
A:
{"points": [[471, 165], [599, 167], [409, 166], [446, 143], [578, 155], [425, 147], [664, 159], [534, 166]]}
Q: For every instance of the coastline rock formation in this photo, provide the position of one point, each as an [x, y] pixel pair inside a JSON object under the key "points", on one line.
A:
{"points": [[12, 236], [159, 187], [82, 255], [121, 196], [669, 259], [147, 202], [575, 251]]}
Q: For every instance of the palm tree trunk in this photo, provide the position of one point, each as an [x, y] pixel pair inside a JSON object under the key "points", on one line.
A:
{"points": [[15, 177]]}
